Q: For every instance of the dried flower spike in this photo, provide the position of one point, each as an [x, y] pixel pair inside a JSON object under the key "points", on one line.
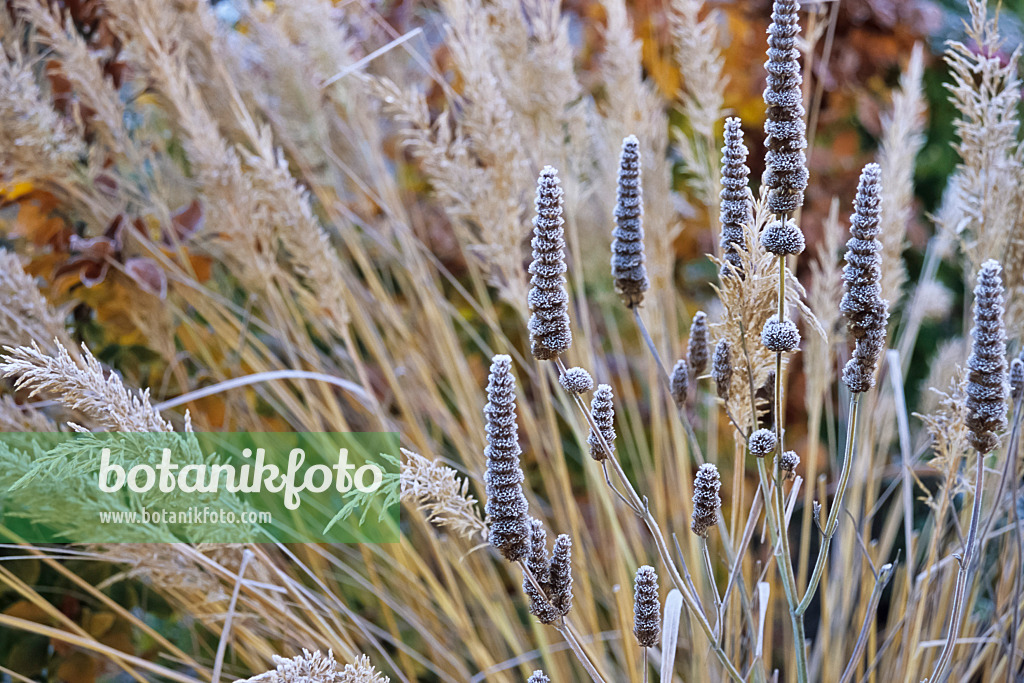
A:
{"points": [[986, 379], [762, 442], [540, 605], [866, 312], [735, 211], [785, 173], [576, 381], [538, 677], [780, 337], [1017, 378], [506, 504], [550, 334], [721, 368], [628, 269], [697, 353], [561, 574], [706, 501], [679, 382], [789, 461], [602, 412], [646, 607], [538, 561]]}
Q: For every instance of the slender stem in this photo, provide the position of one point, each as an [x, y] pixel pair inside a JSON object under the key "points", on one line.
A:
{"points": [[837, 503], [714, 587], [960, 591], [645, 665], [1015, 516], [881, 581]]}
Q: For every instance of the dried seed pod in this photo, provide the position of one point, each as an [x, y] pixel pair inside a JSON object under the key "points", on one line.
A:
{"points": [[550, 334], [782, 239], [721, 368], [646, 607], [789, 461], [785, 173], [506, 504], [1017, 378], [986, 379], [735, 211], [628, 269], [866, 312], [602, 411], [706, 501], [561, 574], [780, 337], [538, 677], [762, 442], [679, 382], [576, 381], [697, 353]]}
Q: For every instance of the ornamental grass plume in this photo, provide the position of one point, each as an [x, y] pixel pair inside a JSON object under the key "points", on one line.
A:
{"points": [[628, 269], [646, 607], [986, 379], [679, 382], [735, 210], [785, 173], [866, 311], [602, 412], [506, 504], [706, 501], [721, 368], [697, 353], [550, 334]]}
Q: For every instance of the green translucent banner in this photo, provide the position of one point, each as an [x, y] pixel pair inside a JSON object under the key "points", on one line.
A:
{"points": [[211, 487]]}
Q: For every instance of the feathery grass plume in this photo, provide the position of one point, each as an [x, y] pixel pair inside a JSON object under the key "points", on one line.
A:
{"points": [[538, 676], [780, 337], [441, 494], [866, 311], [576, 381], [762, 442], [764, 401], [735, 210], [25, 314], [986, 380], [628, 269], [646, 607], [506, 505], [785, 172], [550, 334], [789, 461], [561, 574], [679, 382], [602, 411], [1017, 379], [706, 501], [721, 368], [697, 353]]}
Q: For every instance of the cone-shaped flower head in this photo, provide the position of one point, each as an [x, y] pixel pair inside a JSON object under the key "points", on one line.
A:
{"points": [[549, 301], [679, 382], [576, 381], [735, 211], [762, 442], [789, 461], [602, 411], [697, 352], [721, 368], [628, 269], [538, 560], [865, 310], [780, 337], [1017, 378], [646, 607], [785, 163], [506, 504], [538, 677], [561, 574], [986, 377], [706, 501]]}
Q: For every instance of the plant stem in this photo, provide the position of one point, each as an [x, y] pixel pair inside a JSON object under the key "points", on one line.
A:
{"points": [[714, 587], [881, 581], [960, 591], [837, 503]]}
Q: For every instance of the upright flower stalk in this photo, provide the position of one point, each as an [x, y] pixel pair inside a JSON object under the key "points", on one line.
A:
{"points": [[550, 334]]}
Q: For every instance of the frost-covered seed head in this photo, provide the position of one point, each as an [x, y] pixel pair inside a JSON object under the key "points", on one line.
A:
{"points": [[550, 334], [735, 211], [506, 505], [538, 677], [762, 442], [986, 379], [561, 574], [537, 561], [1017, 378], [540, 603], [780, 337], [783, 238], [679, 382], [628, 269], [721, 368], [602, 411], [789, 461], [576, 381], [646, 607], [706, 501], [697, 353]]}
